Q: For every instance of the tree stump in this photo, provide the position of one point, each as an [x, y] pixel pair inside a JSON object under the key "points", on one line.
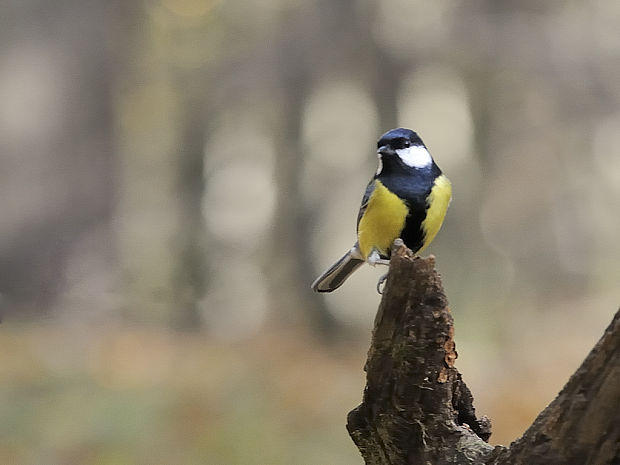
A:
{"points": [[417, 409]]}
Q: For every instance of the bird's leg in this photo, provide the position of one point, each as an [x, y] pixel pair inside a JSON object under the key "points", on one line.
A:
{"points": [[375, 259]]}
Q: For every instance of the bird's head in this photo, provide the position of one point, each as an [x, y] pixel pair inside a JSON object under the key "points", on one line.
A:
{"points": [[404, 147]]}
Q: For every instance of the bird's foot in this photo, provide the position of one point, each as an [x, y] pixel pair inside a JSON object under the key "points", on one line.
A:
{"points": [[381, 282]]}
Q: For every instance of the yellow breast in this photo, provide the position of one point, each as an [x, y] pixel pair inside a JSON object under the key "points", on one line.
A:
{"points": [[438, 201], [382, 221]]}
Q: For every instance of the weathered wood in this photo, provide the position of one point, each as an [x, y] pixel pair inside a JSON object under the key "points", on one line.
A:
{"points": [[582, 425], [416, 408]]}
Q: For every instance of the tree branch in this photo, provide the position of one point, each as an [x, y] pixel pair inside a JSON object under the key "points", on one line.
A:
{"points": [[417, 409], [582, 425]]}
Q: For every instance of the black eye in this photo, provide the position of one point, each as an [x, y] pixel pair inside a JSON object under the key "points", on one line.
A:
{"points": [[407, 144]]}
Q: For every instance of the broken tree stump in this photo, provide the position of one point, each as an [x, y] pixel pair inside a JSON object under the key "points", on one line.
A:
{"points": [[416, 408]]}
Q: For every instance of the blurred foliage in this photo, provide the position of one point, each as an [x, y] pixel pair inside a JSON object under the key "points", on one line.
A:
{"points": [[152, 396], [119, 395], [173, 174]]}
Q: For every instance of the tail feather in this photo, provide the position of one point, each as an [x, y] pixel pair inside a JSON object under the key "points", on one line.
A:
{"points": [[336, 275]]}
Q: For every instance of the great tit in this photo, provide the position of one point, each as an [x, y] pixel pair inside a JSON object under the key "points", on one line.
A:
{"points": [[407, 197]]}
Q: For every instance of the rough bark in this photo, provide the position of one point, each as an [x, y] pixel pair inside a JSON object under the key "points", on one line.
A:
{"points": [[582, 425], [417, 409]]}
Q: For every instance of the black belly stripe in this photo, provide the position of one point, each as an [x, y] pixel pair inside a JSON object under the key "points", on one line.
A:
{"points": [[413, 235]]}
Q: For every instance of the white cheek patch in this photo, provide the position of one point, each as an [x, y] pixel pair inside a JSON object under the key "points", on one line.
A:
{"points": [[380, 167], [415, 156]]}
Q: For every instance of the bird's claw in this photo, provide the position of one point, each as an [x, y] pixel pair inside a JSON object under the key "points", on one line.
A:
{"points": [[381, 281]]}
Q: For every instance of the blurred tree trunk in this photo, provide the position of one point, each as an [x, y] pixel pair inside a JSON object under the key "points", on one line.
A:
{"points": [[56, 63], [339, 23], [162, 122], [190, 275], [383, 70], [289, 264], [386, 75], [417, 409]]}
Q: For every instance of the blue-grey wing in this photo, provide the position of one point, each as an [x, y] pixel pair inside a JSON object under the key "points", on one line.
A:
{"points": [[369, 190]]}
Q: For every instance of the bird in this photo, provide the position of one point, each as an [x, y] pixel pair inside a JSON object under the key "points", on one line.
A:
{"points": [[407, 198]]}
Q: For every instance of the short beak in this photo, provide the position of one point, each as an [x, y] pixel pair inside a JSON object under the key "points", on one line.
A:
{"points": [[386, 150]]}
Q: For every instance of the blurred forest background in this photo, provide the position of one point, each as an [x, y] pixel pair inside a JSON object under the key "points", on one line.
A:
{"points": [[174, 173]]}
